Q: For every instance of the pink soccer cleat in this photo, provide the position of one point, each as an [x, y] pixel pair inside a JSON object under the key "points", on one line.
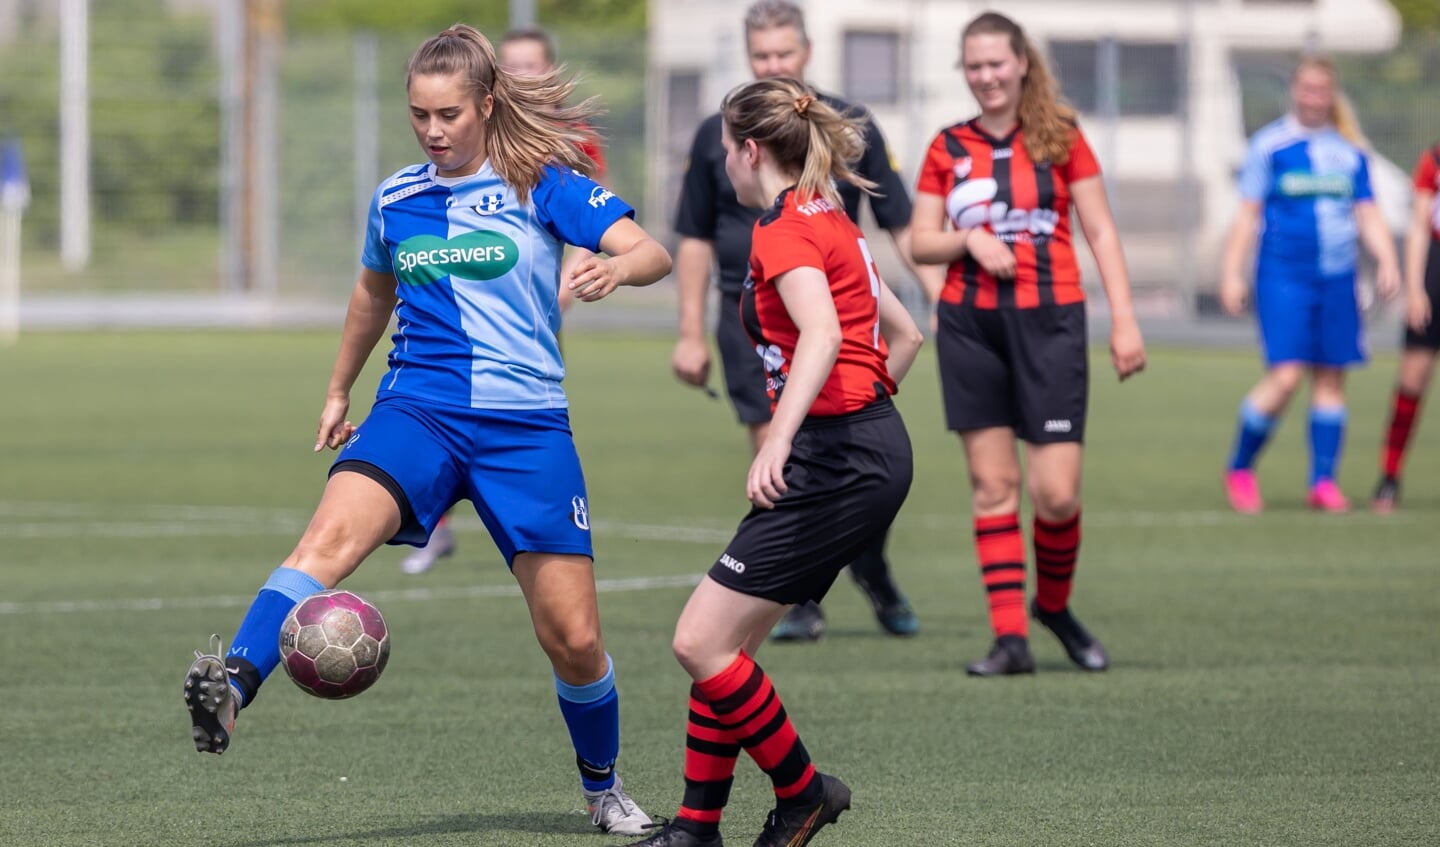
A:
{"points": [[1326, 496], [1243, 491]]}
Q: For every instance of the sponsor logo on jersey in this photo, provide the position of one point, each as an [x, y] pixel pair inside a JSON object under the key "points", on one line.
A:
{"points": [[599, 195], [475, 255], [1057, 425], [580, 512], [970, 204], [732, 563], [1298, 184], [490, 204]]}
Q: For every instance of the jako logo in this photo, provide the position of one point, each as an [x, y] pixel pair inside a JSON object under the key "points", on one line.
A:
{"points": [[969, 205], [599, 195], [475, 255], [581, 512], [731, 563], [1057, 426]]}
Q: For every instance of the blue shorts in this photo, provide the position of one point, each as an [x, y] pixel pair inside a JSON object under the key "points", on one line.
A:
{"points": [[518, 467], [1308, 318]]}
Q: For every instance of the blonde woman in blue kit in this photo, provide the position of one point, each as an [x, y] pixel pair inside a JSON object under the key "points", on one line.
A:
{"points": [[465, 251]]}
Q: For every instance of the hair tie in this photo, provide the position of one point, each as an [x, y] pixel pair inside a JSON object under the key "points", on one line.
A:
{"points": [[802, 103]]}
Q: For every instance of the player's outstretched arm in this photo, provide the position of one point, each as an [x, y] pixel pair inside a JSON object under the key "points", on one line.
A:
{"points": [[1127, 346], [633, 258], [371, 304]]}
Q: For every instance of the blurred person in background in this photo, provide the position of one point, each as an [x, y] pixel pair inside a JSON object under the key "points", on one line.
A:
{"points": [[831, 474], [1422, 331], [529, 52], [993, 204], [1306, 195], [713, 226], [472, 406]]}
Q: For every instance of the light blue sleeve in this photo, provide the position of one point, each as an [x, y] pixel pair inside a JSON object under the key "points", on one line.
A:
{"points": [[1256, 175], [1363, 191], [375, 255], [575, 208]]}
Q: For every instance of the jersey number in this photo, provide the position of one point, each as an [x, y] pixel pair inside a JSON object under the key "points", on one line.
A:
{"points": [[874, 288]]}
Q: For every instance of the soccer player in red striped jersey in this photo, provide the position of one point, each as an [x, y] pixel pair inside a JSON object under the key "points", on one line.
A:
{"points": [[831, 474], [993, 203], [1422, 331]]}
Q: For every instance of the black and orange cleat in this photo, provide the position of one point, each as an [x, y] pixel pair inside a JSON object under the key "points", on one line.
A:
{"points": [[1082, 647], [795, 826]]}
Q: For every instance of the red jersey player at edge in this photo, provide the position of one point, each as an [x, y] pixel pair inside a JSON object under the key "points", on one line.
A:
{"points": [[832, 472], [993, 202], [1421, 341]]}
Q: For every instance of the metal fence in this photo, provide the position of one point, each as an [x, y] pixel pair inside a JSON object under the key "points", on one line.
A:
{"points": [[175, 204]]}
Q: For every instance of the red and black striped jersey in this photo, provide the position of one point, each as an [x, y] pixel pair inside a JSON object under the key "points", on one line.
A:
{"points": [[1427, 178], [991, 183], [816, 234]]}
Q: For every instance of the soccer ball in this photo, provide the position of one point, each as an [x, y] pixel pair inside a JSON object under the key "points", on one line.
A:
{"points": [[334, 644]]}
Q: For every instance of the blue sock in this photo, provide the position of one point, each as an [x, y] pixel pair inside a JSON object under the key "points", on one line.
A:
{"points": [[592, 714], [258, 639], [1254, 430], [1327, 433]]}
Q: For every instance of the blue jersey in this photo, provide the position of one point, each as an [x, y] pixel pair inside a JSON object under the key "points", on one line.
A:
{"points": [[1308, 181], [477, 275]]}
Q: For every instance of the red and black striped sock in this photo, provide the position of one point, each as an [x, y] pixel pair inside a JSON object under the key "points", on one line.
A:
{"points": [[710, 755], [745, 704], [1057, 546], [1404, 408], [1001, 551]]}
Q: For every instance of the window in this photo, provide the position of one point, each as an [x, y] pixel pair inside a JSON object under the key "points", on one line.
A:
{"points": [[873, 69], [1135, 79]]}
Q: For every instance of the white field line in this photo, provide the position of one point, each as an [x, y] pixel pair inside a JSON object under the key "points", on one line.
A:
{"points": [[21, 520], [408, 595]]}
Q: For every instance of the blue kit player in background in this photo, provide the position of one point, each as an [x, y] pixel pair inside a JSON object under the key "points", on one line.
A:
{"points": [[714, 229], [1305, 188], [466, 250]]}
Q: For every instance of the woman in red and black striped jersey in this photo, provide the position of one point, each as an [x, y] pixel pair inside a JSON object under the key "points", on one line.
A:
{"points": [[993, 203], [832, 472], [1422, 331]]}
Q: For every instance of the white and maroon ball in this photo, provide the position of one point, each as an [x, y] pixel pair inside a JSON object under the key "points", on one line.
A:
{"points": [[334, 644]]}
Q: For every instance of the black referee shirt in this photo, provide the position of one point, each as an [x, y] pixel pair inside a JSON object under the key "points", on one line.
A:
{"points": [[709, 210]]}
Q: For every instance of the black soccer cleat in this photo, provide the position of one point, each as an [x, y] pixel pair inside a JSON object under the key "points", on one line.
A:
{"points": [[668, 833], [1082, 647], [796, 825], [210, 701], [1387, 495], [804, 622], [1009, 656]]}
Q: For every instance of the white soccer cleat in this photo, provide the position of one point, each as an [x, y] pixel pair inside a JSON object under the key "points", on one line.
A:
{"points": [[440, 545], [615, 813]]}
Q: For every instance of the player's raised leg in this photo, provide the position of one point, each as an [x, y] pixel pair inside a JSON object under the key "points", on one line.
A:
{"points": [[355, 516]]}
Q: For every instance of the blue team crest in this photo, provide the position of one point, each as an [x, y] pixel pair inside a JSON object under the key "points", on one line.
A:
{"points": [[490, 204], [581, 512]]}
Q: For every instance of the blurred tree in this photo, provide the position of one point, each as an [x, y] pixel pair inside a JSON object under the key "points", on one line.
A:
{"points": [[1419, 14], [435, 14]]}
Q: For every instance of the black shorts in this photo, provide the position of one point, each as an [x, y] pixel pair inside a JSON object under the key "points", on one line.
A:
{"points": [[1025, 369], [847, 478], [744, 369], [1430, 338]]}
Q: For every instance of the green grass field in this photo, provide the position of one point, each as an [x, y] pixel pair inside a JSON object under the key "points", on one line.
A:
{"points": [[1275, 678]]}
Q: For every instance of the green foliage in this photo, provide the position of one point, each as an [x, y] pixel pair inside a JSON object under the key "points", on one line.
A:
{"points": [[1420, 14], [491, 17]]}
